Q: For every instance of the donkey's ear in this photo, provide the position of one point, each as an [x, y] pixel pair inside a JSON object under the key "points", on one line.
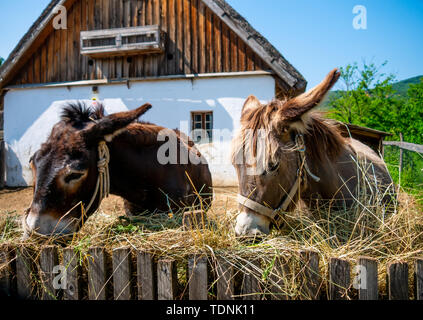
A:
{"points": [[250, 104], [293, 109], [108, 127]]}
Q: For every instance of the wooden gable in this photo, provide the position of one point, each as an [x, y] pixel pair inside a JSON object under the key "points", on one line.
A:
{"points": [[196, 41]]}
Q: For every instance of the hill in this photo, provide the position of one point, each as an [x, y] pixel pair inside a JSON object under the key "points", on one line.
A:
{"points": [[401, 87]]}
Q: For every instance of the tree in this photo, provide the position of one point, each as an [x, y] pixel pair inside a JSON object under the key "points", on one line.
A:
{"points": [[1, 61]]}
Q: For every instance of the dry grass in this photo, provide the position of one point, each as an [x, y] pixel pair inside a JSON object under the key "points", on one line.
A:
{"points": [[364, 230]]}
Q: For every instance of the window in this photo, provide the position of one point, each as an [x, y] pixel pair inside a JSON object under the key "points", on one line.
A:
{"points": [[202, 127]]}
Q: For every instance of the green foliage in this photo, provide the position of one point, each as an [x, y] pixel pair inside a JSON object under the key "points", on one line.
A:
{"points": [[1, 61], [370, 100]]}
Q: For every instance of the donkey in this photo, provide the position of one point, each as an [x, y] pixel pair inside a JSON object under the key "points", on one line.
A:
{"points": [[89, 155], [297, 154]]}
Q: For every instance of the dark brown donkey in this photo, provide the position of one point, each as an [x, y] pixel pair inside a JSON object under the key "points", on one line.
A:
{"points": [[71, 169], [284, 153]]}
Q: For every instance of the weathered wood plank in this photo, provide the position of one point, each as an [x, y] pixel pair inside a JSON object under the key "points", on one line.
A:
{"points": [[279, 276], [97, 274], [197, 278], [146, 276], [339, 279], [73, 289], [310, 275], [209, 41], [398, 281], [405, 145], [179, 37], [122, 274], [225, 280], [2, 162], [201, 37], [368, 278], [187, 37], [24, 273], [166, 280], [49, 259], [418, 279], [7, 270], [251, 289]]}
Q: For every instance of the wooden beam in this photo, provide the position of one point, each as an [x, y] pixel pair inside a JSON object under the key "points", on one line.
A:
{"points": [[418, 279], [225, 280], [310, 275], [339, 279], [398, 281], [166, 280], [146, 276], [122, 274], [73, 289], [368, 286], [97, 276], [49, 259], [197, 278], [405, 145]]}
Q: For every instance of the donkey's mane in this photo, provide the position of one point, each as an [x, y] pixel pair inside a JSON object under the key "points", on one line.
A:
{"points": [[78, 113], [322, 137]]}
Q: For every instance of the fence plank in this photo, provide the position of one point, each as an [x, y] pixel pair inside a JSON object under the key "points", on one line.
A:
{"points": [[197, 275], [97, 274], [73, 275], [147, 276], [418, 279], [122, 272], [166, 280], [279, 276], [225, 280], [368, 286], [24, 270], [7, 267], [251, 285], [398, 281], [49, 258], [310, 275], [405, 145], [339, 279]]}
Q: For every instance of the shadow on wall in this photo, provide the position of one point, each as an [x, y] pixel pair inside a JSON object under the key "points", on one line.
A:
{"points": [[14, 170]]}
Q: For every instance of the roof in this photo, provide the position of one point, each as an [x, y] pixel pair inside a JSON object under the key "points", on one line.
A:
{"points": [[362, 131], [259, 44]]}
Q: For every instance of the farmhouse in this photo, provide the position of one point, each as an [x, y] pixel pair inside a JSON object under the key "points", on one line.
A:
{"points": [[196, 61]]}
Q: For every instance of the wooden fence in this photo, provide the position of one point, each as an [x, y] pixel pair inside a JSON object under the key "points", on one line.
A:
{"points": [[125, 274]]}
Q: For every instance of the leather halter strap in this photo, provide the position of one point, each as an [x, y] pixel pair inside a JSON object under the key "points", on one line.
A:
{"points": [[273, 213]]}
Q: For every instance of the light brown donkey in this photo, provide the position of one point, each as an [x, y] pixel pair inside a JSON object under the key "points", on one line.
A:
{"points": [[285, 152]]}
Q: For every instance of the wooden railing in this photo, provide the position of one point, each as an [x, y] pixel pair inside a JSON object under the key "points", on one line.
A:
{"points": [[125, 274]]}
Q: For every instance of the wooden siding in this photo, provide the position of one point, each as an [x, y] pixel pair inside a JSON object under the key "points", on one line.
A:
{"points": [[196, 41]]}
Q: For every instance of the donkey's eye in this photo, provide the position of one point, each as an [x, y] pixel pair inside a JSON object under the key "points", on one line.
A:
{"points": [[73, 176], [272, 167]]}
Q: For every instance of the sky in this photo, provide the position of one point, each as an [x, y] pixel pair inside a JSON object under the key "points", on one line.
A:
{"points": [[315, 36]]}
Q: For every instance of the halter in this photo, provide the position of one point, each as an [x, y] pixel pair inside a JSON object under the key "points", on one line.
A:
{"points": [[273, 214], [102, 189]]}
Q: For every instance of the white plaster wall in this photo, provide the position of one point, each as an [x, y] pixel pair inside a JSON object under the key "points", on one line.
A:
{"points": [[31, 113]]}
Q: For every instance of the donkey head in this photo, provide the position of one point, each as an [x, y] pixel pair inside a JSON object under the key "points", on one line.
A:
{"points": [[65, 167], [265, 153]]}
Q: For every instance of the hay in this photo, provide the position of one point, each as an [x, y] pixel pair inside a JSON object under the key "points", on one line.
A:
{"points": [[364, 230]]}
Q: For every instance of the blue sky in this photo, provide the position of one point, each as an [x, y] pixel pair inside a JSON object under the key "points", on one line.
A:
{"points": [[315, 36]]}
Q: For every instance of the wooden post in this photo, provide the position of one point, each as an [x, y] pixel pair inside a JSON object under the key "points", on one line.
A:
{"points": [[49, 259], [251, 285], [418, 279], [194, 220], [398, 281], [197, 277], [2, 144], [278, 275], [24, 270], [97, 278], [146, 276], [310, 275], [7, 267], [122, 261], [339, 279], [368, 281], [166, 280], [401, 159], [73, 275], [225, 280]]}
